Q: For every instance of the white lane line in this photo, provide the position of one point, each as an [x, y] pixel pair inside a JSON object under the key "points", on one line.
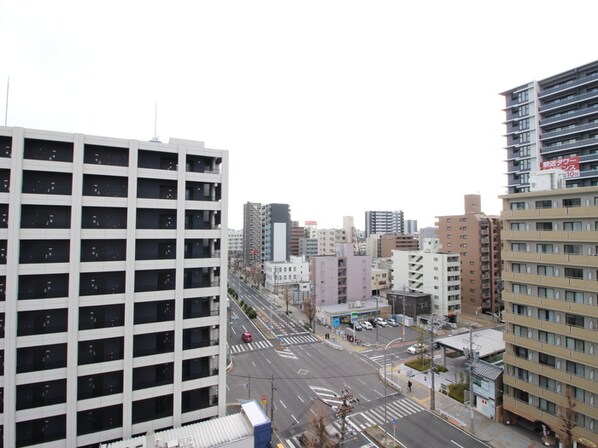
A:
{"points": [[282, 404], [452, 441]]}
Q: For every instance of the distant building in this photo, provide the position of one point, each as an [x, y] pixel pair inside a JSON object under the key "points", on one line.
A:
{"points": [[297, 232], [384, 222], [476, 238], [433, 272], [409, 303], [311, 229], [341, 278], [553, 123], [308, 247], [276, 232], [293, 274], [328, 240], [381, 246], [235, 243], [410, 226], [380, 280], [252, 234], [427, 233]]}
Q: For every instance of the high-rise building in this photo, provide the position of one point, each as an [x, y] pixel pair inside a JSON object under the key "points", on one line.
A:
{"points": [[550, 248], [553, 123], [297, 232], [252, 234], [112, 253], [475, 236], [276, 232], [384, 222], [410, 226]]}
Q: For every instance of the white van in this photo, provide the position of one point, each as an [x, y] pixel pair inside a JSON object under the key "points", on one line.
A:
{"points": [[365, 324]]}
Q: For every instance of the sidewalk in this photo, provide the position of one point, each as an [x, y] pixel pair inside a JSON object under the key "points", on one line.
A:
{"points": [[493, 433]]}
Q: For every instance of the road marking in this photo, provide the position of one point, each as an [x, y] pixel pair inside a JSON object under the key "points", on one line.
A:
{"points": [[452, 441], [364, 397], [268, 361], [378, 393], [300, 399], [294, 418], [282, 404]]}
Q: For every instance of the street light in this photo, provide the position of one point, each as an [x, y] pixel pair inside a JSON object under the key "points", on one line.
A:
{"points": [[385, 380]]}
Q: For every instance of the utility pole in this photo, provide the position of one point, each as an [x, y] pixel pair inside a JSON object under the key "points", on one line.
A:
{"points": [[404, 317], [432, 391], [471, 358], [272, 403], [347, 400]]}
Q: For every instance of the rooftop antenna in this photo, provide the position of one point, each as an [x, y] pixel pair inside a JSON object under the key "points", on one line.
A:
{"points": [[156, 138], [6, 109]]}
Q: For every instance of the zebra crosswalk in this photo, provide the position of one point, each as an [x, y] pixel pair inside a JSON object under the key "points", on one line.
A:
{"points": [[296, 339], [359, 421], [247, 347]]}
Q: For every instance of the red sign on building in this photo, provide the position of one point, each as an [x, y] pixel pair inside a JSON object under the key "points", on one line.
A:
{"points": [[570, 165]]}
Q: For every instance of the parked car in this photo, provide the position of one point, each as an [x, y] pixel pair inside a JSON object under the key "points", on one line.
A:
{"points": [[381, 322], [416, 349], [247, 336], [356, 326], [392, 322], [366, 325]]}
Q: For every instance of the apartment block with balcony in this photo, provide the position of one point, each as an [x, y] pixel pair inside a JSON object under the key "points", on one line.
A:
{"points": [[553, 121], [430, 271], [550, 274], [475, 236], [111, 255]]}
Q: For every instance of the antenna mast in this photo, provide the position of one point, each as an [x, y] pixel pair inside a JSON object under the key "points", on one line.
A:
{"points": [[6, 109], [155, 138]]}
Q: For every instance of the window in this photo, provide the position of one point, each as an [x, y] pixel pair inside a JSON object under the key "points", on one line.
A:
{"points": [[519, 289], [544, 226], [572, 225], [576, 368], [544, 204], [547, 337], [544, 248], [517, 205], [518, 247], [547, 271], [548, 315], [545, 293], [572, 249], [519, 267], [572, 202], [547, 360], [519, 226], [574, 296], [520, 330], [575, 344], [574, 273], [547, 383], [574, 320], [521, 310], [520, 352], [547, 406]]}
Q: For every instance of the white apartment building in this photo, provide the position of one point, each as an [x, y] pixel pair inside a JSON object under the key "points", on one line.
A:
{"points": [[235, 242], [112, 253], [328, 239], [293, 273], [432, 272]]}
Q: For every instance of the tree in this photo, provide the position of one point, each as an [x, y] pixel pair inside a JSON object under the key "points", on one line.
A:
{"points": [[309, 308], [317, 436], [568, 415]]}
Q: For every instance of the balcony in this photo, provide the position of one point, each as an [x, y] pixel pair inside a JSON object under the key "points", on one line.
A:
{"points": [[38, 395], [105, 186], [97, 283], [99, 385], [106, 155], [201, 307], [39, 358], [102, 350], [101, 316], [153, 343], [153, 376], [104, 218], [43, 286], [42, 322], [50, 150], [155, 249], [44, 182]]}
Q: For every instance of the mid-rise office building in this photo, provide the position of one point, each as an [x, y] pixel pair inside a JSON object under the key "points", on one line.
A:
{"points": [[112, 253], [550, 248], [384, 222], [328, 239], [553, 123], [475, 236]]}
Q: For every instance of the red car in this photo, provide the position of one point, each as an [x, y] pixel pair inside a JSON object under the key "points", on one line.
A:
{"points": [[247, 337]]}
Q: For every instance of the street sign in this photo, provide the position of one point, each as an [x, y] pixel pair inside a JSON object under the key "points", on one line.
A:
{"points": [[354, 317], [336, 321], [395, 421]]}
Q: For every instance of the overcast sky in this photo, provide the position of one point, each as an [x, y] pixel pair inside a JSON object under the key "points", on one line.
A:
{"points": [[334, 107]]}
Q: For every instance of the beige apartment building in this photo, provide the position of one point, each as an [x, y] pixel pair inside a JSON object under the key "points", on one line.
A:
{"points": [[550, 248], [476, 238]]}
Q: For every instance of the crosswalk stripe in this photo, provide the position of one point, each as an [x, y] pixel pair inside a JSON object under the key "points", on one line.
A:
{"points": [[375, 414], [290, 443], [368, 419], [357, 427], [396, 413], [411, 405]]}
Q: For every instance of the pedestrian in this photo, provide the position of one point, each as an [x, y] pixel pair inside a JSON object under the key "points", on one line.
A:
{"points": [[409, 384]]}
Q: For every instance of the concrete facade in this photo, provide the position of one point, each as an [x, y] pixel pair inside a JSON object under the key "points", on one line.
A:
{"points": [[550, 248], [476, 238], [113, 255], [384, 222], [433, 272]]}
